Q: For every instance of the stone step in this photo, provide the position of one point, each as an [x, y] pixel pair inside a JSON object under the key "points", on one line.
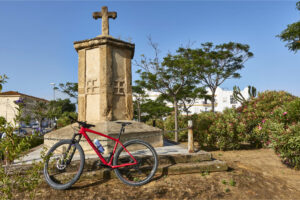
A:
{"points": [[93, 163], [167, 169]]}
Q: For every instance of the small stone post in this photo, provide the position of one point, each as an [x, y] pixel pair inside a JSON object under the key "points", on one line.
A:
{"points": [[190, 137]]}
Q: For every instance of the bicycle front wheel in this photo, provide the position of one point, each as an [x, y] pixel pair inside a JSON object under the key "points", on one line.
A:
{"points": [[64, 164], [144, 170]]}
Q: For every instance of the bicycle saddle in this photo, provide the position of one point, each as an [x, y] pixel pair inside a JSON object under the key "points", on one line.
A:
{"points": [[124, 123]]}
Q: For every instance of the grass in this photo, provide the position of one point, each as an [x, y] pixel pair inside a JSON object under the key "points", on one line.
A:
{"points": [[232, 182], [204, 173]]}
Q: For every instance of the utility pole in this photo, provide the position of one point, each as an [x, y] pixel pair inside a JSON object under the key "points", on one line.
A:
{"points": [[53, 84]]}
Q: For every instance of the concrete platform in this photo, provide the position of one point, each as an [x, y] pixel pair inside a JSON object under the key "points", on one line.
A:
{"points": [[173, 159], [136, 130]]}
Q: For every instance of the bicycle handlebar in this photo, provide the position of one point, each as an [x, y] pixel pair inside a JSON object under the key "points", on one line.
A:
{"points": [[83, 124]]}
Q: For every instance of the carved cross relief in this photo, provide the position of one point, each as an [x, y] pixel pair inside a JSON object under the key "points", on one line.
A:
{"points": [[119, 87], [91, 86]]}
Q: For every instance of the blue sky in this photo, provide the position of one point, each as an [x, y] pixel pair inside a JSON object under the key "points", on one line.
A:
{"points": [[36, 37]]}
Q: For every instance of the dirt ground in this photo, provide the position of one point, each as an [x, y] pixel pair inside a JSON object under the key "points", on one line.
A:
{"points": [[253, 174]]}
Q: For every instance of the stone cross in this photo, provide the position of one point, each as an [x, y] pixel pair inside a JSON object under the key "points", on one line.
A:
{"points": [[105, 15]]}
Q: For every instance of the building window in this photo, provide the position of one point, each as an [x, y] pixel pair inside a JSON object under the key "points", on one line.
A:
{"points": [[232, 100]]}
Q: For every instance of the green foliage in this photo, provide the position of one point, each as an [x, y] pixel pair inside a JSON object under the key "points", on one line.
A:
{"points": [[253, 113], [154, 109], [237, 95], [69, 88], [169, 77], [40, 111], [232, 182], [291, 34], [169, 126], [57, 107], [292, 110], [201, 124], [3, 79], [286, 142], [252, 91], [226, 130], [64, 120], [213, 64], [19, 179], [13, 147]]}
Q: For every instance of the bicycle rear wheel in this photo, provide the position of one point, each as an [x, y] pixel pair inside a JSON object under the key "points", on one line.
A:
{"points": [[144, 170], [64, 164]]}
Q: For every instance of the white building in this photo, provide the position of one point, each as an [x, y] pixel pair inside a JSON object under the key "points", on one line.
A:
{"points": [[223, 99], [8, 108]]}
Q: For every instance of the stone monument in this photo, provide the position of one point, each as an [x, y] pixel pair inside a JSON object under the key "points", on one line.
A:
{"points": [[105, 90]]}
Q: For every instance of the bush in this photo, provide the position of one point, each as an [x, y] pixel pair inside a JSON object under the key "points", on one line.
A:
{"points": [[64, 120], [225, 129], [201, 124], [257, 110], [286, 142], [169, 126], [11, 179]]}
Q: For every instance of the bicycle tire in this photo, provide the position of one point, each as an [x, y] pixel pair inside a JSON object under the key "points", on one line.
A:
{"points": [[144, 154], [59, 163]]}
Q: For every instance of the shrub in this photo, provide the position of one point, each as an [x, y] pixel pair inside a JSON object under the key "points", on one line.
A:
{"points": [[257, 110], [11, 179], [201, 124], [64, 120], [169, 126], [226, 130], [286, 142], [159, 123], [292, 111]]}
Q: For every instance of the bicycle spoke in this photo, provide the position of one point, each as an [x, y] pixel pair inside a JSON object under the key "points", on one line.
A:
{"points": [[61, 167], [141, 172]]}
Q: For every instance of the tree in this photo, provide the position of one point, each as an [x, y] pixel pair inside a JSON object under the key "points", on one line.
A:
{"points": [[156, 109], [215, 64], [291, 34], [40, 111], [3, 79], [65, 120], [69, 88], [140, 96], [57, 107], [168, 77], [189, 95]]}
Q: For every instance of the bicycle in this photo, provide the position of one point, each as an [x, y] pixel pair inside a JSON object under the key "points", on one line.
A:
{"points": [[135, 162]]}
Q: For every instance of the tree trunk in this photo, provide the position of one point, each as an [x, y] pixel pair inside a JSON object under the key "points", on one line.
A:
{"points": [[176, 120], [41, 121], [213, 92], [139, 111]]}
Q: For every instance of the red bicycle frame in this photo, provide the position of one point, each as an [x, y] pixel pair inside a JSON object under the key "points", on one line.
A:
{"points": [[83, 131]]}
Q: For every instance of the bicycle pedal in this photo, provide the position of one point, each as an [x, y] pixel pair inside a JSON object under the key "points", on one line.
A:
{"points": [[106, 166]]}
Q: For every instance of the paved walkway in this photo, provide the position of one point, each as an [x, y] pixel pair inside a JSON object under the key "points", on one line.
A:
{"points": [[168, 149]]}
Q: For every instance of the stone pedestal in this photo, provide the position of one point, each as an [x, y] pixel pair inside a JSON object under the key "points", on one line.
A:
{"points": [[104, 79]]}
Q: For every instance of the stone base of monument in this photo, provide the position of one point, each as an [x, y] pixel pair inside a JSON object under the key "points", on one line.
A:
{"points": [[136, 130]]}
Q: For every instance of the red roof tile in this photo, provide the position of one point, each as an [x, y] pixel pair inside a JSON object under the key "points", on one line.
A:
{"points": [[15, 93]]}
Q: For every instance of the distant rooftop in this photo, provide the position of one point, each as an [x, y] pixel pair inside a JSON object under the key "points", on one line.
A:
{"points": [[16, 93]]}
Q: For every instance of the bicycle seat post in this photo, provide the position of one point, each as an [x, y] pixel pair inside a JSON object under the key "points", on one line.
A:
{"points": [[121, 131]]}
